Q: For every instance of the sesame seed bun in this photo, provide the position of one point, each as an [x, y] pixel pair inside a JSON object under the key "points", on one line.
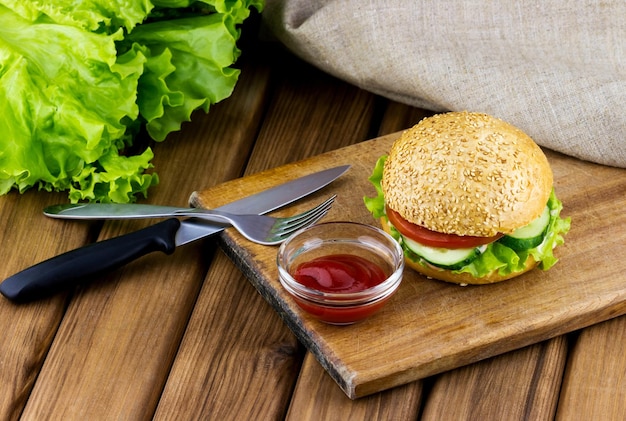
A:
{"points": [[459, 278], [467, 174]]}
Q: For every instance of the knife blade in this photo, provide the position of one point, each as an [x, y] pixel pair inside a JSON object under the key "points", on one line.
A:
{"points": [[73, 267]]}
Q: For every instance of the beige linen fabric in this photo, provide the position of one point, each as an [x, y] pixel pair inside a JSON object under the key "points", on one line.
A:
{"points": [[555, 69]]}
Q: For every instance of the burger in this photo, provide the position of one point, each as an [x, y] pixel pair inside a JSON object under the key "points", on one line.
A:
{"points": [[470, 198]]}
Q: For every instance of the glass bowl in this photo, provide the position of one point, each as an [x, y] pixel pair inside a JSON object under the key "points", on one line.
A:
{"points": [[340, 272]]}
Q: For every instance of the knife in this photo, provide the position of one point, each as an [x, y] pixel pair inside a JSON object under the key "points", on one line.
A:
{"points": [[71, 268]]}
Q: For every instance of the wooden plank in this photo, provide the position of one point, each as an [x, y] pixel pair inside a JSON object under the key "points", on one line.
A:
{"points": [[399, 117], [237, 360], [486, 320], [520, 385], [317, 398], [311, 113], [114, 348], [111, 355], [593, 386], [28, 330], [247, 344]]}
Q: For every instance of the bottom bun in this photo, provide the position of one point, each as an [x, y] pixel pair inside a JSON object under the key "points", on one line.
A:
{"points": [[460, 278]]}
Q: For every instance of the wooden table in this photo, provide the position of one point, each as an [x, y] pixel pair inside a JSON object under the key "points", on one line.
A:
{"points": [[188, 337]]}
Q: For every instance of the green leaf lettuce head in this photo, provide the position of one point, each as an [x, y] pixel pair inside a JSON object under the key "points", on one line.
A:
{"points": [[79, 78], [497, 256]]}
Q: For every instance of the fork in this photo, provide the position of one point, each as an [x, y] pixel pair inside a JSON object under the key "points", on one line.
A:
{"points": [[263, 229], [257, 228]]}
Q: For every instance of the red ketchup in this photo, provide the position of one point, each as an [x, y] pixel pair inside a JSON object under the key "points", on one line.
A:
{"points": [[337, 274]]}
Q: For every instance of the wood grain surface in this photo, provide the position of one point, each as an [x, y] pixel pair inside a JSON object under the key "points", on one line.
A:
{"points": [[460, 325], [189, 337]]}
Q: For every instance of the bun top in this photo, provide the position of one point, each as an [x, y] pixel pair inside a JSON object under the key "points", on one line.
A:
{"points": [[467, 174]]}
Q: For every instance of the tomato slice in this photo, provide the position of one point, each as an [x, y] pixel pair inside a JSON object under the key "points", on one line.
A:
{"points": [[433, 238]]}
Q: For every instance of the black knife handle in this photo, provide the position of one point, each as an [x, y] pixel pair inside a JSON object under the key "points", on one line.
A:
{"points": [[85, 263]]}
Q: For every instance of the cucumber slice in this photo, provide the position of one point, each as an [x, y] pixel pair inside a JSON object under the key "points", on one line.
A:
{"points": [[519, 244], [528, 236], [442, 257]]}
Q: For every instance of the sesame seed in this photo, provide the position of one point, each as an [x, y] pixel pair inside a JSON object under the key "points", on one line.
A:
{"points": [[467, 174]]}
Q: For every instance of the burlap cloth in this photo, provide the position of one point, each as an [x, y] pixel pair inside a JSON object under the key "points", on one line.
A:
{"points": [[556, 69]]}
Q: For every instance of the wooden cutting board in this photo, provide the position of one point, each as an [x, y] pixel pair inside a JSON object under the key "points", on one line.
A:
{"points": [[429, 326]]}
